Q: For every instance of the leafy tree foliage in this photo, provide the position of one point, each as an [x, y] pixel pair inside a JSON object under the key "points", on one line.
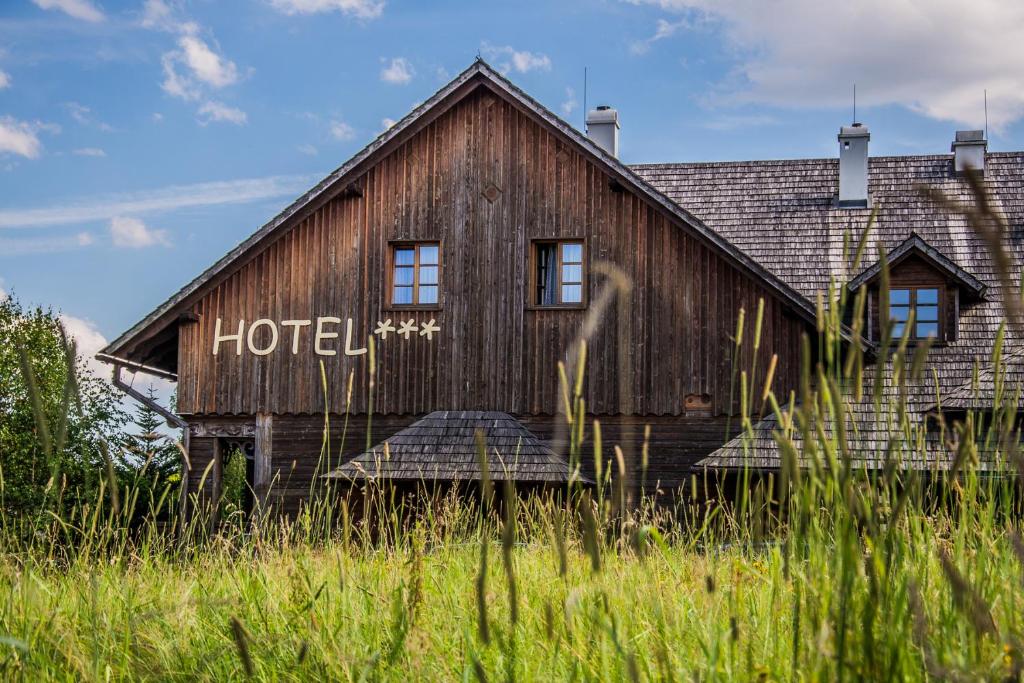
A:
{"points": [[55, 417]]}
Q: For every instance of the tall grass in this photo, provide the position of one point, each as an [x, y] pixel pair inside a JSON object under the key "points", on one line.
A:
{"points": [[826, 569]]}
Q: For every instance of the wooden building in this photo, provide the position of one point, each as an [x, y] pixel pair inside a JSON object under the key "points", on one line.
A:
{"points": [[470, 245], [469, 241]]}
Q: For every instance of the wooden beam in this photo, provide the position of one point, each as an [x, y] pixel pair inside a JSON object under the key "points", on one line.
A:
{"points": [[216, 483], [263, 455], [172, 419], [186, 467]]}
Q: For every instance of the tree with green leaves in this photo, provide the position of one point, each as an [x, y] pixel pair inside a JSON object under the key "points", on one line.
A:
{"points": [[56, 419]]}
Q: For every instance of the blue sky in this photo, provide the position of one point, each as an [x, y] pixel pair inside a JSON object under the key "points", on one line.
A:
{"points": [[141, 140]]}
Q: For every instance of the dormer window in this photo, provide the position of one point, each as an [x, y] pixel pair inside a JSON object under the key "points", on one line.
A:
{"points": [[922, 281], [924, 302]]}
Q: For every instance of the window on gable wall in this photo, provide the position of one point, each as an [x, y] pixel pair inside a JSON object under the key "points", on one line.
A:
{"points": [[558, 274], [416, 274], [924, 302]]}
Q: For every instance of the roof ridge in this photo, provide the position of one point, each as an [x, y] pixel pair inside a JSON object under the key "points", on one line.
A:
{"points": [[945, 156]]}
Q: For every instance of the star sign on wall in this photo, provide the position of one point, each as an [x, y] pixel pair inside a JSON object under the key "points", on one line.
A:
{"points": [[407, 327], [383, 328], [429, 328]]}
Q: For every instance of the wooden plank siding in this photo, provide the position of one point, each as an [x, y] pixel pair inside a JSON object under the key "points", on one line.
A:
{"points": [[493, 352]]}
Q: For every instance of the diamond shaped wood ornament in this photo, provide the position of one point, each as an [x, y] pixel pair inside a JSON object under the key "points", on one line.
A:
{"points": [[491, 192]]}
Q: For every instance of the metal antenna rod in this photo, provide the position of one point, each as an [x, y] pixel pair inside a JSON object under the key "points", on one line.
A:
{"points": [[986, 113], [854, 103], [584, 99]]}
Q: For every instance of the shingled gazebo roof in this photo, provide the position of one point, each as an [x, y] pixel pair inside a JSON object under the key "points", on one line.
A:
{"points": [[443, 446]]}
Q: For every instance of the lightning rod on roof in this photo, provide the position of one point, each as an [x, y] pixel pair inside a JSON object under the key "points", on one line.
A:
{"points": [[584, 99], [854, 103], [986, 113]]}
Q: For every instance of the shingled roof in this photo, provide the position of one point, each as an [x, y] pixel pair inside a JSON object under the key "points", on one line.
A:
{"points": [[782, 214], [1004, 384], [443, 446]]}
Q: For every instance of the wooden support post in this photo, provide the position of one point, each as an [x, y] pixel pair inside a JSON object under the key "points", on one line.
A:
{"points": [[216, 483], [263, 457], [186, 473]]}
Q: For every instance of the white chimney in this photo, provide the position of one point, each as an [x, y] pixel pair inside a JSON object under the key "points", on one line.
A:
{"points": [[853, 166], [968, 150], [603, 128]]}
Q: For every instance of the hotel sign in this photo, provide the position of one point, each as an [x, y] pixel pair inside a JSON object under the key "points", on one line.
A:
{"points": [[265, 336]]}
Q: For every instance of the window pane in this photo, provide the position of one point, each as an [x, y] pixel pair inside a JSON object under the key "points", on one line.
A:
{"points": [[572, 274], [899, 313], [572, 294], [897, 330], [572, 253], [428, 275], [428, 254], [926, 314], [546, 275], [428, 295], [899, 297], [403, 295], [404, 256], [403, 276], [927, 296], [925, 330]]}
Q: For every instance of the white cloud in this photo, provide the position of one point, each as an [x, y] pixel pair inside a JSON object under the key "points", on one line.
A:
{"points": [[154, 201], [386, 123], [342, 131], [933, 56], [664, 29], [18, 137], [18, 246], [88, 342], [3, 291], [89, 152], [218, 111], [79, 112], [570, 103], [79, 9], [309, 150], [157, 14], [207, 65], [361, 9], [5, 80], [134, 234], [507, 58], [157, 117], [397, 72], [195, 67], [83, 116], [174, 83]]}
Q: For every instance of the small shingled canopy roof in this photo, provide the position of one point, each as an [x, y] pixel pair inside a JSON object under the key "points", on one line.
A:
{"points": [[443, 446]]}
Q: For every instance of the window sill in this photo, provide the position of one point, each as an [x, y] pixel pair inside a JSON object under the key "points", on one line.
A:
{"points": [[914, 343], [411, 308], [556, 307]]}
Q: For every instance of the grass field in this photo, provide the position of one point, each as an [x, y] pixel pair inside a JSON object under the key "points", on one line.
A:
{"points": [[932, 596]]}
